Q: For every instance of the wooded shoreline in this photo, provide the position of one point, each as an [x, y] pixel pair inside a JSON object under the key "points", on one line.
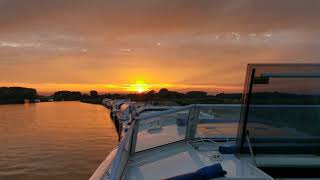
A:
{"points": [[20, 95]]}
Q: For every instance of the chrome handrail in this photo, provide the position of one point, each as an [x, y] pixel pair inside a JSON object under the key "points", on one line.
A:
{"points": [[120, 149], [174, 110], [169, 111], [104, 167]]}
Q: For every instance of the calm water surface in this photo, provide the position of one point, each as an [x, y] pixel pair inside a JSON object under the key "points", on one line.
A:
{"points": [[55, 140]]}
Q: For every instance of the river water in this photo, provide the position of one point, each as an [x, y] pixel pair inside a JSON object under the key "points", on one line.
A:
{"points": [[54, 140]]}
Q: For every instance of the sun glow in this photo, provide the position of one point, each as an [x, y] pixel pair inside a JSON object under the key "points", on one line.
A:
{"points": [[139, 87]]}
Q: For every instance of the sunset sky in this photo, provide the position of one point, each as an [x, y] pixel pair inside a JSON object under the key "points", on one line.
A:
{"points": [[127, 45]]}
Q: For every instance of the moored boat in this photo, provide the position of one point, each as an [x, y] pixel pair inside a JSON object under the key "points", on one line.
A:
{"points": [[107, 102]]}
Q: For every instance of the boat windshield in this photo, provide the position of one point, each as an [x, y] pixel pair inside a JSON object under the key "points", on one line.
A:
{"points": [[218, 121], [161, 129], [281, 109], [214, 121]]}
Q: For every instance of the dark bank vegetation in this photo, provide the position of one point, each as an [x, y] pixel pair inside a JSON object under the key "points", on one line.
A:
{"points": [[13, 95], [191, 97], [200, 97], [92, 98], [17, 95], [67, 96]]}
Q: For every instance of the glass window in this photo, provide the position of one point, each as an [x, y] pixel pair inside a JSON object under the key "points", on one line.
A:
{"points": [[284, 109], [220, 121], [161, 130]]}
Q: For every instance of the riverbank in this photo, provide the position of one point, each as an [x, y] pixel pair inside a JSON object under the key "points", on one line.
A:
{"points": [[17, 95], [92, 100], [22, 101]]}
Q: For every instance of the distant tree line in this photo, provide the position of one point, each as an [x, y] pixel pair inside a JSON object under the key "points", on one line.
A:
{"points": [[164, 94], [67, 96], [13, 95], [191, 97], [93, 97], [19, 94]]}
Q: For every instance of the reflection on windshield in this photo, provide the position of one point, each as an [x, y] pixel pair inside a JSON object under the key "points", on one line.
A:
{"points": [[284, 104], [161, 130], [211, 121], [218, 122]]}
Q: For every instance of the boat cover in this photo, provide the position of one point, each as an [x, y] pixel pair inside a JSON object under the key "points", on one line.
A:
{"points": [[204, 173]]}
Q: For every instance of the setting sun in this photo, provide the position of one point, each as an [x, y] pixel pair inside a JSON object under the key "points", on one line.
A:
{"points": [[139, 87]]}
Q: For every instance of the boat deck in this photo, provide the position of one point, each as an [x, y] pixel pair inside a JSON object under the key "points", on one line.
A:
{"points": [[180, 158]]}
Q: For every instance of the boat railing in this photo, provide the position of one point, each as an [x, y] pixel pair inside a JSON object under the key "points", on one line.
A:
{"points": [[188, 107], [122, 155], [160, 113], [113, 167]]}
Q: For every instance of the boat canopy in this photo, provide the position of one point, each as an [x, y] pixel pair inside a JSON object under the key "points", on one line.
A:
{"points": [[280, 109]]}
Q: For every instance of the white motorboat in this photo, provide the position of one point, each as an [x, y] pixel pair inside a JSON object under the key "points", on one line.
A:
{"points": [[115, 105], [107, 102], [273, 134]]}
